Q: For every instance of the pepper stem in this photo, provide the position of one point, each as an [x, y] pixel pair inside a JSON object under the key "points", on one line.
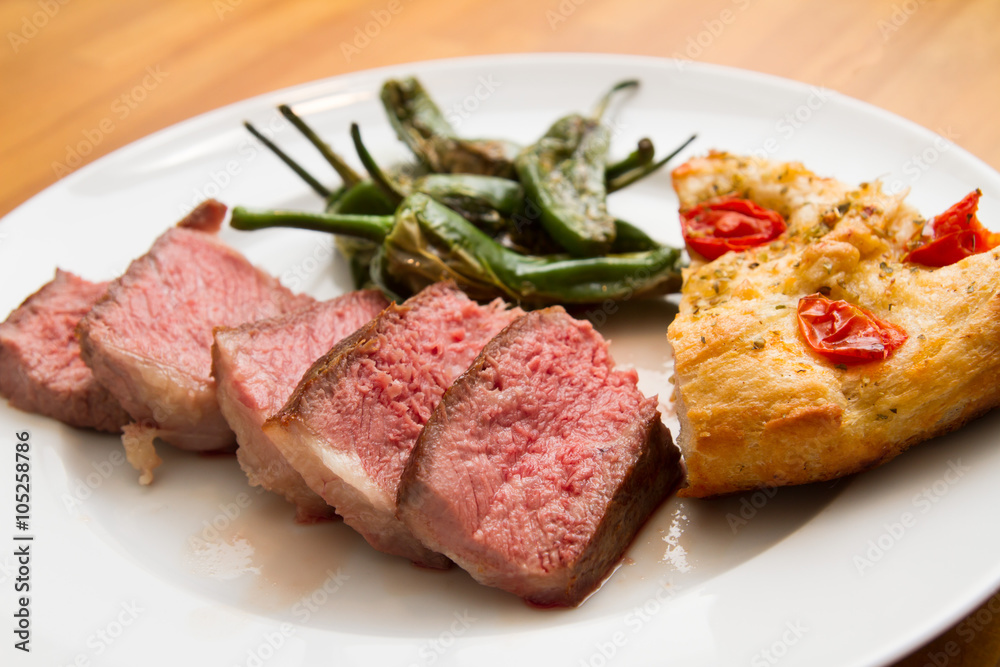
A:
{"points": [[630, 177], [320, 189], [379, 177], [347, 174], [371, 227], [602, 104], [642, 155]]}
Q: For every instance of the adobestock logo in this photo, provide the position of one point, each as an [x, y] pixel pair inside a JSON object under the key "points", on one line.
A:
{"points": [[460, 111], [712, 29], [32, 25], [779, 648], [364, 34], [433, 649], [84, 488], [750, 504], [923, 502], [121, 108]]}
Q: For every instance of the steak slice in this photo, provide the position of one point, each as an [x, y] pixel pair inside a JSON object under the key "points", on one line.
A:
{"points": [[256, 367], [40, 366], [351, 423], [149, 340], [540, 464]]}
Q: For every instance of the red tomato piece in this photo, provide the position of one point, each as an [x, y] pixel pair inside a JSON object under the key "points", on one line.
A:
{"points": [[959, 216], [949, 248], [846, 333], [715, 227], [954, 235]]}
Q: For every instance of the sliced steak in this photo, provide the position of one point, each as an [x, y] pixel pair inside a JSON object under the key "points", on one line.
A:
{"points": [[40, 366], [256, 367], [540, 463], [149, 341], [351, 423]]}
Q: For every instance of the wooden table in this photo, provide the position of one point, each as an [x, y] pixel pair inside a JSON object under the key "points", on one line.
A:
{"points": [[83, 77]]}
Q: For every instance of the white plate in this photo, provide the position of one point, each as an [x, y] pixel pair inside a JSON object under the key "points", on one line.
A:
{"points": [[201, 568]]}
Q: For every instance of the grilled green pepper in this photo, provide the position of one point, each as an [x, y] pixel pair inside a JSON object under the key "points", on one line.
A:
{"points": [[425, 242], [420, 124], [563, 175], [485, 201]]}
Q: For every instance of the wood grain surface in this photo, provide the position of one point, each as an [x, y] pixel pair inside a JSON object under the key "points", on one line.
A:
{"points": [[83, 77]]}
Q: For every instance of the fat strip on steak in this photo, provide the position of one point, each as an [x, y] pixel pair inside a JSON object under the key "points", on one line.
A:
{"points": [[351, 423], [256, 367], [149, 340]]}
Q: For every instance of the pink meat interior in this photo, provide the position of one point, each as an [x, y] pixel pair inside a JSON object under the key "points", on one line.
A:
{"points": [[537, 451]]}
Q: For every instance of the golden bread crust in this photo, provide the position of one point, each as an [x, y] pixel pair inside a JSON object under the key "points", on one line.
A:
{"points": [[757, 405]]}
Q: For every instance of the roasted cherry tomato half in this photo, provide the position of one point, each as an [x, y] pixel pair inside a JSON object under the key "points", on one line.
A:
{"points": [[715, 227], [954, 235], [846, 333]]}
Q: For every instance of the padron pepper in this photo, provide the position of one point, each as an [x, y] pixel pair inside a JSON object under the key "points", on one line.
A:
{"points": [[566, 178], [425, 242], [420, 124], [486, 201], [563, 176], [495, 204], [489, 202]]}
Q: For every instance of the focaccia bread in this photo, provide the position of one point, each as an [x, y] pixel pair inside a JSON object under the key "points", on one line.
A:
{"points": [[757, 405]]}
